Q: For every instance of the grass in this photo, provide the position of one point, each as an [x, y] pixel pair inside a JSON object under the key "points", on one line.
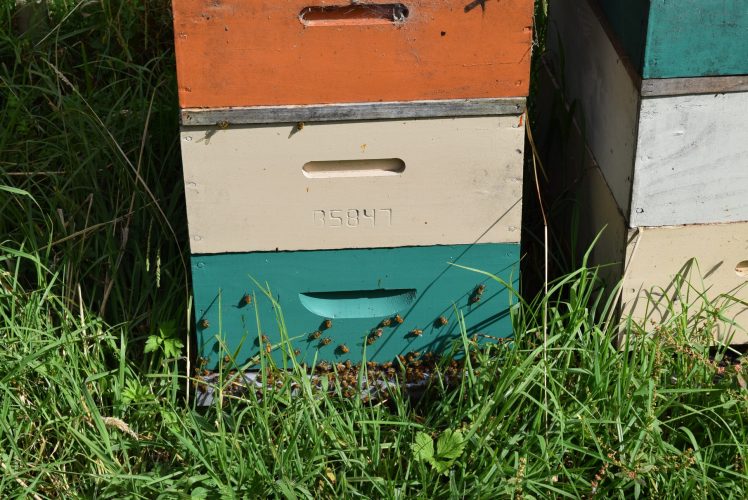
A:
{"points": [[92, 265]]}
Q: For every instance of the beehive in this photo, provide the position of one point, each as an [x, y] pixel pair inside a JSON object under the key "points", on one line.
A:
{"points": [[342, 162], [664, 151]]}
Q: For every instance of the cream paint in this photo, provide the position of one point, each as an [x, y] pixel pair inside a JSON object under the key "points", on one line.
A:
{"points": [[692, 160], [707, 256], [247, 189], [596, 80]]}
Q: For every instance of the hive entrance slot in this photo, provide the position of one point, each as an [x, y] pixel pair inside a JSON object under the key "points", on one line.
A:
{"points": [[741, 269], [360, 14], [358, 303], [354, 168]]}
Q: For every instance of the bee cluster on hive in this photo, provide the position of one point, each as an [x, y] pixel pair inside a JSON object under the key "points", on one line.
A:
{"points": [[370, 381]]}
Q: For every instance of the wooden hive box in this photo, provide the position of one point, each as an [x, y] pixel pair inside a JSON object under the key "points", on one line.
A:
{"points": [[233, 53], [641, 182], [681, 39], [356, 222], [339, 160], [673, 150]]}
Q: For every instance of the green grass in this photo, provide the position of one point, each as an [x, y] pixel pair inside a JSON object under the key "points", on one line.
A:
{"points": [[92, 249]]}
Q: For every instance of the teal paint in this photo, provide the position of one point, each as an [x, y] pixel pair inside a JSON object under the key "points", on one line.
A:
{"points": [[356, 289], [688, 38], [682, 38], [628, 19]]}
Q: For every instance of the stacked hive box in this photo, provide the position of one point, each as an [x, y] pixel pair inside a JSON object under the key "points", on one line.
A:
{"points": [[660, 95], [341, 158]]}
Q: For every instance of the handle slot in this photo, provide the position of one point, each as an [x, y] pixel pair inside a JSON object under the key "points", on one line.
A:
{"points": [[359, 303], [353, 168], [351, 15]]}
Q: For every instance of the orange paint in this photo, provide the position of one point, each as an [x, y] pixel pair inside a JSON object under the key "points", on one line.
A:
{"points": [[285, 52]]}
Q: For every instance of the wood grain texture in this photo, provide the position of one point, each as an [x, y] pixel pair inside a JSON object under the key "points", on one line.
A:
{"points": [[595, 82], [692, 161], [357, 111], [679, 266], [253, 53], [693, 86], [247, 191], [221, 282]]}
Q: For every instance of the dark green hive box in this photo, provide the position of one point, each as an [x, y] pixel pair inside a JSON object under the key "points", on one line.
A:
{"points": [[357, 290], [682, 38]]}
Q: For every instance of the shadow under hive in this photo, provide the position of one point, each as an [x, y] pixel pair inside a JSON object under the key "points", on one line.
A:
{"points": [[658, 157], [339, 166]]}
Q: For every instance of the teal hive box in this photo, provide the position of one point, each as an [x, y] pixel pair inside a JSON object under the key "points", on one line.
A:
{"points": [[682, 38], [356, 289]]}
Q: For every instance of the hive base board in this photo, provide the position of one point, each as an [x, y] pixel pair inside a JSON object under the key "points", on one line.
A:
{"points": [[356, 289]]}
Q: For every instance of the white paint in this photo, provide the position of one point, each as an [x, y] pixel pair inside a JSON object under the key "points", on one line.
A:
{"points": [[247, 191], [692, 160], [596, 82]]}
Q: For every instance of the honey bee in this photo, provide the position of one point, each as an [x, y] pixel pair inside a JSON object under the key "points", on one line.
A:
{"points": [[480, 289], [247, 299], [202, 361], [297, 352], [315, 335], [223, 124], [268, 348], [326, 324], [416, 332], [371, 339], [378, 332], [265, 338], [474, 298], [299, 125], [325, 341], [442, 321], [386, 322], [226, 359], [398, 319], [204, 324], [343, 348]]}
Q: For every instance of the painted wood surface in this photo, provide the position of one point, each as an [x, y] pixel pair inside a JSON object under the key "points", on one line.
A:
{"points": [[356, 290], [596, 82], [354, 184], [679, 265], [691, 161], [629, 20], [447, 108], [685, 38], [696, 38], [261, 52]]}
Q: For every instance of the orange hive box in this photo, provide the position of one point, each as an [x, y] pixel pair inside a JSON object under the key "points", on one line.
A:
{"points": [[233, 53]]}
